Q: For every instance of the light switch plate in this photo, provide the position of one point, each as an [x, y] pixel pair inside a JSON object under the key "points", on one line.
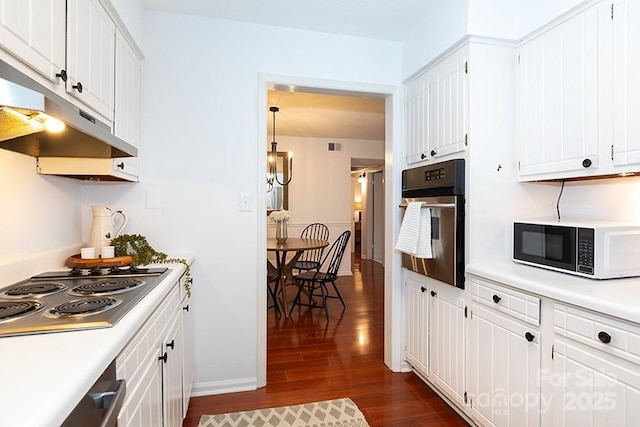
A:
{"points": [[245, 202]]}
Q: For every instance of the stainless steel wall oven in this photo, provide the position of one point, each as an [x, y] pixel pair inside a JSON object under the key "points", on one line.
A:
{"points": [[441, 188]]}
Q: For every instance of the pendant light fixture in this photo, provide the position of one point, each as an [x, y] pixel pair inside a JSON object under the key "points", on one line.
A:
{"points": [[272, 163]]}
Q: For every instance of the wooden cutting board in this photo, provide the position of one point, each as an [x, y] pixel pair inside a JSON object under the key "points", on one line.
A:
{"points": [[119, 261]]}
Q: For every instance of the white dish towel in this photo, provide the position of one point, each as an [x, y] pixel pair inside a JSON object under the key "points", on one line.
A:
{"points": [[415, 231]]}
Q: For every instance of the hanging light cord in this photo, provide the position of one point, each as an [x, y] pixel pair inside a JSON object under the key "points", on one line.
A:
{"points": [[558, 201]]}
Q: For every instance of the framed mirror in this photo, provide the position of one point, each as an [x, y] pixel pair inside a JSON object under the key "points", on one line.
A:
{"points": [[278, 196]]}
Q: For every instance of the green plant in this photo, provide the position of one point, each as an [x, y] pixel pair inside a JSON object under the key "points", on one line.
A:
{"points": [[141, 252]]}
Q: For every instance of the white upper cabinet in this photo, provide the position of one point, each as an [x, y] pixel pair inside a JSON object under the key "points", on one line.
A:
{"points": [[91, 55], [626, 82], [558, 114], [34, 32], [128, 82], [437, 109]]}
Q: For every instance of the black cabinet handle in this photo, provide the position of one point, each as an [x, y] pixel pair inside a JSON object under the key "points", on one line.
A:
{"points": [[186, 308], [433, 153], [423, 156], [78, 87], [496, 299], [434, 293], [120, 165], [586, 163], [422, 289], [529, 336], [63, 75], [171, 344], [604, 337], [163, 357]]}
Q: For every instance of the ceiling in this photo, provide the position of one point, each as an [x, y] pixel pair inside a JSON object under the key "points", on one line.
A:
{"points": [[378, 19]]}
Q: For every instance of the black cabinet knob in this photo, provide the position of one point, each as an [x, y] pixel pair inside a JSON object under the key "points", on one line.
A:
{"points": [[433, 153], [171, 344], [120, 165], [529, 336], [163, 357], [423, 289], [496, 299], [423, 156], [434, 293], [78, 87], [586, 163], [604, 337], [62, 75], [186, 308]]}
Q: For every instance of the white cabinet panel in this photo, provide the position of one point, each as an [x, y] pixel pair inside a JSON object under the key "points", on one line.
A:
{"points": [[626, 83], [34, 32], [417, 325], [447, 341], [128, 94], [558, 98], [594, 389], [188, 356], [437, 109], [91, 55], [505, 369], [172, 374]]}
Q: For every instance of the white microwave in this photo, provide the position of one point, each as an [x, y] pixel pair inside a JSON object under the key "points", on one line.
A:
{"points": [[589, 249]]}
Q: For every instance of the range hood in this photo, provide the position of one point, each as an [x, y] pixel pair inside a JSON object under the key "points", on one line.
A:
{"points": [[24, 107]]}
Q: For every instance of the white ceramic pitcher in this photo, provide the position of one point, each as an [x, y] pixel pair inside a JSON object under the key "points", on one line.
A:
{"points": [[103, 226]]}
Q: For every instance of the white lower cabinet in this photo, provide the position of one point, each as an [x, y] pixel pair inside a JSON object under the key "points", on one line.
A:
{"points": [[596, 370], [417, 324], [152, 364], [447, 341], [506, 355], [435, 334], [188, 357]]}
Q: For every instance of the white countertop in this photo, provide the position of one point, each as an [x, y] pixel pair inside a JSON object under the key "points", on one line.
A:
{"points": [[44, 376], [615, 297]]}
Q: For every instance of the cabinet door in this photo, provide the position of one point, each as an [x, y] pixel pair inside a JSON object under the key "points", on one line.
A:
{"points": [[417, 321], [505, 370], [34, 32], [626, 83], [447, 341], [128, 81], [448, 104], [172, 374], [143, 405], [91, 55], [417, 119], [558, 112], [592, 388], [188, 359]]}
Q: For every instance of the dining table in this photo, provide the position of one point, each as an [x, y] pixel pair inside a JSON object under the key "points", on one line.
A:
{"points": [[284, 264]]}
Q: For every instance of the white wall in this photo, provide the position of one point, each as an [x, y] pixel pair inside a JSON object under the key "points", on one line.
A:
{"points": [[38, 213], [200, 151]]}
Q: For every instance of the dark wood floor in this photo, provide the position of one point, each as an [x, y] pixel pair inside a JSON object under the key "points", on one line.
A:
{"points": [[310, 359]]}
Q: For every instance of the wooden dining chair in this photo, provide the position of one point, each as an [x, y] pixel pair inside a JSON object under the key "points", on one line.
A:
{"points": [[310, 259], [313, 280]]}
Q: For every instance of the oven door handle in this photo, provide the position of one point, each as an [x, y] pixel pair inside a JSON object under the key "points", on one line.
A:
{"points": [[432, 205]]}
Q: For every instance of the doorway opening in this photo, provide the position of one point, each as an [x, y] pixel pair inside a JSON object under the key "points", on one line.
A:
{"points": [[305, 88]]}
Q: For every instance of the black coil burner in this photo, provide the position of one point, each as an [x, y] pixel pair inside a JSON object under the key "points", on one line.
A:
{"points": [[36, 289], [85, 306], [106, 287], [15, 309]]}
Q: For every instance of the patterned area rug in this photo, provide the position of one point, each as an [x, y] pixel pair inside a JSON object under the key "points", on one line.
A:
{"points": [[328, 413]]}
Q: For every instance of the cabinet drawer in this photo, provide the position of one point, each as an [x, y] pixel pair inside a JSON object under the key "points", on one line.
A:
{"points": [[510, 301], [595, 330]]}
